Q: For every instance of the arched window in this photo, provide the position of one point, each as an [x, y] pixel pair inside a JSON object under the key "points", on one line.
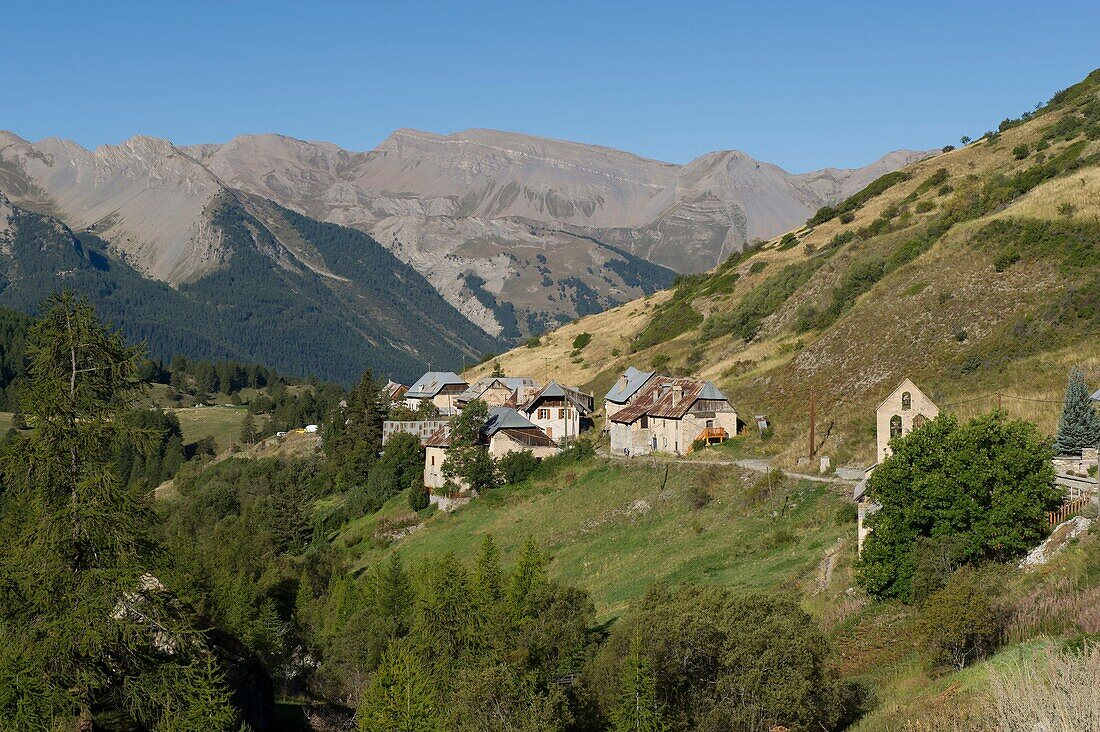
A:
{"points": [[906, 400], [895, 426], [919, 421]]}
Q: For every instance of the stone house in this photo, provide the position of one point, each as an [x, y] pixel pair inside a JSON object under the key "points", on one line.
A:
{"points": [[562, 412], [498, 391], [441, 388], [624, 392], [668, 414], [904, 410], [505, 431]]}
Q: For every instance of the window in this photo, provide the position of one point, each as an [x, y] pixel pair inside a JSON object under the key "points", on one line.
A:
{"points": [[906, 400], [710, 424], [561, 414], [645, 422], [544, 414], [550, 432], [919, 421], [433, 459], [895, 426]]}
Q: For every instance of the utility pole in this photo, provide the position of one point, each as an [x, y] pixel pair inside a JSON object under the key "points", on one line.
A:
{"points": [[813, 412]]}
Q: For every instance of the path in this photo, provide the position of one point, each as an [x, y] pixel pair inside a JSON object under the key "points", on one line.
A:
{"points": [[758, 465]]}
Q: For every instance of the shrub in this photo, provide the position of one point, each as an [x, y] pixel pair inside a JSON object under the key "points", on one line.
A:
{"points": [[581, 341], [418, 498], [516, 466], [924, 206], [1055, 691], [534, 342], [847, 217], [1021, 151], [789, 241], [958, 624], [758, 266], [989, 482], [947, 148]]}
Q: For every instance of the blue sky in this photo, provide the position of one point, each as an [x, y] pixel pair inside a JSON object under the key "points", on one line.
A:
{"points": [[804, 85]]}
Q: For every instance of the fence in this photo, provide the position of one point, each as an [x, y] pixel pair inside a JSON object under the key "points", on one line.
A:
{"points": [[1068, 509]]}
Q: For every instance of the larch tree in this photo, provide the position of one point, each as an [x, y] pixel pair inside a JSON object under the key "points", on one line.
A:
{"points": [[639, 710], [86, 622]]}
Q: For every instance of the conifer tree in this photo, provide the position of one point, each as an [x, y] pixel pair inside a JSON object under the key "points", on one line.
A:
{"points": [[528, 575], [82, 610], [638, 709], [488, 583], [1079, 426], [393, 595], [400, 697], [248, 429]]}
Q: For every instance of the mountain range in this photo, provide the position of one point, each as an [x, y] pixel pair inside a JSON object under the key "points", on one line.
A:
{"points": [[510, 233]]}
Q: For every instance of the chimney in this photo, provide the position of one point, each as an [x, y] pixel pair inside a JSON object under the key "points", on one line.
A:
{"points": [[622, 382], [677, 393]]}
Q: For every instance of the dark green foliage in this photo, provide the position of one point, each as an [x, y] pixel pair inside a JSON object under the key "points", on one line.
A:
{"points": [[1021, 151], [517, 466], [468, 461], [757, 267], [76, 541], [1079, 426], [722, 661], [157, 457], [353, 432], [745, 319], [789, 241], [989, 483], [401, 466], [504, 312], [673, 317], [876, 188], [937, 179], [253, 309], [581, 341], [958, 624], [418, 498], [638, 709]]}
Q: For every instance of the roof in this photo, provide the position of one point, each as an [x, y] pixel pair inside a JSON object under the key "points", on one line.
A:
{"points": [[906, 384], [504, 418], [1096, 397], [440, 438], [635, 380], [581, 400], [657, 399], [530, 438], [512, 383], [394, 389], [432, 383]]}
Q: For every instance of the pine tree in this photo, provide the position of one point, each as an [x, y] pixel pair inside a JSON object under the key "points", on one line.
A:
{"points": [[1080, 424], [248, 429], [638, 709], [79, 602], [393, 595], [528, 575], [488, 584], [400, 696]]}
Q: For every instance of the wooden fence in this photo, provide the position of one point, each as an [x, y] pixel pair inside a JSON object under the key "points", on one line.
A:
{"points": [[1068, 509]]}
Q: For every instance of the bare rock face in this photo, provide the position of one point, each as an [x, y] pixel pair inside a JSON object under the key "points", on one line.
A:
{"points": [[144, 196], [518, 233]]}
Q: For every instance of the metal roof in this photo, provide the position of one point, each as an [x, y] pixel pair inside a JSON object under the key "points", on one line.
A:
{"points": [[635, 380], [581, 400], [658, 399], [512, 383], [506, 418], [432, 383], [1096, 397]]}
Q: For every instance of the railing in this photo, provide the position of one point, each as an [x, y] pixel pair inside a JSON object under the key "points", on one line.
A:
{"points": [[710, 435], [1068, 509]]}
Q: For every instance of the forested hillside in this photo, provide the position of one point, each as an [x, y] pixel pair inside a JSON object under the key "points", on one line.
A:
{"points": [[357, 306]]}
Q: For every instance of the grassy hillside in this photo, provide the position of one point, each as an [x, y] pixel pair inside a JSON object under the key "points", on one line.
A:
{"points": [[973, 272]]}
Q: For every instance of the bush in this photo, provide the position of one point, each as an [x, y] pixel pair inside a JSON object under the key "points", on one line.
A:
{"points": [[947, 148], [516, 466], [789, 241], [1021, 151], [581, 341], [418, 498], [534, 342], [698, 496], [758, 266], [847, 217], [989, 483], [958, 625], [725, 661]]}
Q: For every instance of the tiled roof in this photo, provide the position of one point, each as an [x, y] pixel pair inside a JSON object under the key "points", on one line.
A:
{"points": [[432, 383], [657, 399], [635, 379]]}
